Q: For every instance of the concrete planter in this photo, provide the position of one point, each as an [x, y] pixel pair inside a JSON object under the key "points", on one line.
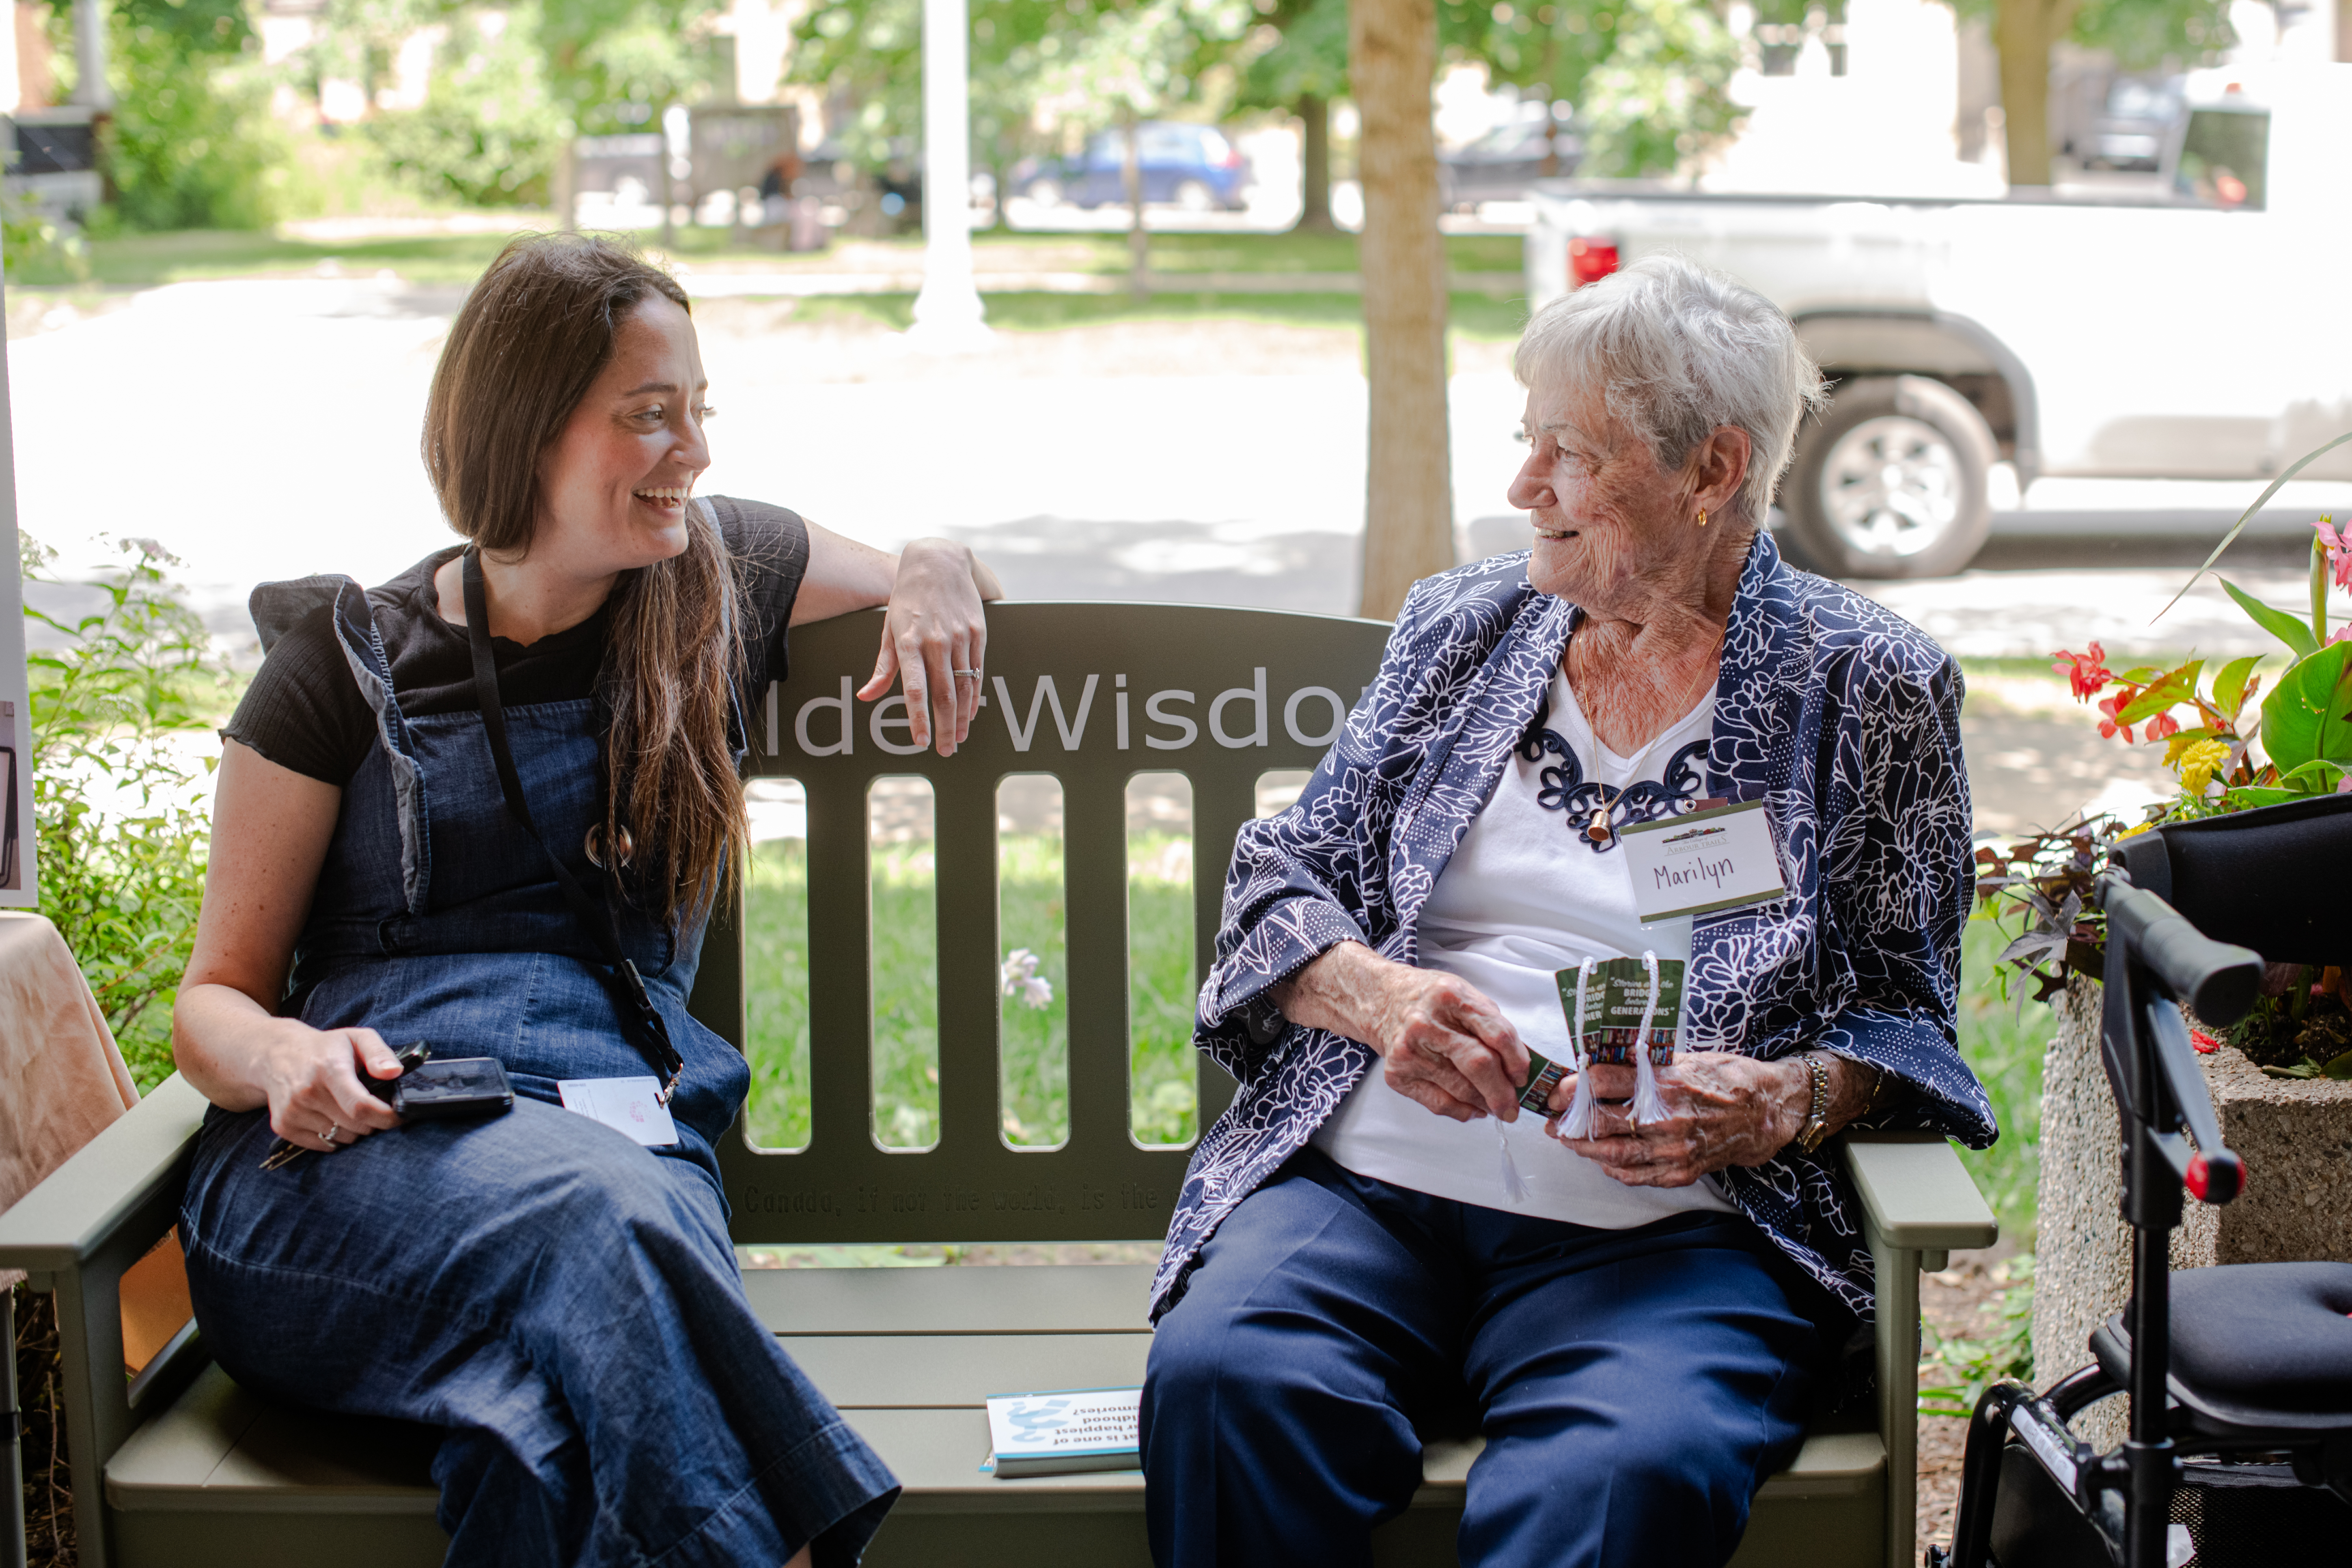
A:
{"points": [[2295, 1135]]}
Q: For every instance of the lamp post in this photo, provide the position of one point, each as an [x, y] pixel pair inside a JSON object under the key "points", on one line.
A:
{"points": [[949, 317], [91, 88]]}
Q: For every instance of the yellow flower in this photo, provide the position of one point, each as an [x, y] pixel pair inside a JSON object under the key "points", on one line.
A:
{"points": [[2133, 832], [2199, 762]]}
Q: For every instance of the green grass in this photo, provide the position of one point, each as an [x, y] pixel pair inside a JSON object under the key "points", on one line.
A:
{"points": [[147, 259], [2004, 1044], [1033, 1086]]}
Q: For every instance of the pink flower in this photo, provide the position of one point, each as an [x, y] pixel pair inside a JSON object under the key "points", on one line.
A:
{"points": [[2338, 543], [2108, 725], [2163, 726], [2087, 673]]}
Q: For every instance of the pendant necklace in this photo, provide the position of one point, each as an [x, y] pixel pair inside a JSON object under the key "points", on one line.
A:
{"points": [[1598, 829]]}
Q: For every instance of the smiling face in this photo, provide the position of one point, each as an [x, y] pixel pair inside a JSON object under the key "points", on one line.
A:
{"points": [[1606, 517], [614, 484]]}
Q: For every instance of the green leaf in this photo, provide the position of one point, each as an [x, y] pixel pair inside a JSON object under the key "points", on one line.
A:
{"points": [[2229, 686], [2247, 516], [2278, 623], [2247, 797], [2303, 717], [2340, 1067], [2317, 776], [2171, 690]]}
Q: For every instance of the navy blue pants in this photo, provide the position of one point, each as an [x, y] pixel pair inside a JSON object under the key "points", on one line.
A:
{"points": [[1635, 1387]]}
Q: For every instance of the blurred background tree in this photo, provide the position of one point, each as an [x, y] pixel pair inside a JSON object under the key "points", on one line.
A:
{"points": [[191, 143], [2140, 34]]}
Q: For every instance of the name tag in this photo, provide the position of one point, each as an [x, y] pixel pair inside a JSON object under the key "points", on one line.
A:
{"points": [[1702, 863], [623, 1104]]}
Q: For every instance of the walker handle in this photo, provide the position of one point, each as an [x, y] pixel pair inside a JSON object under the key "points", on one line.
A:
{"points": [[2218, 981]]}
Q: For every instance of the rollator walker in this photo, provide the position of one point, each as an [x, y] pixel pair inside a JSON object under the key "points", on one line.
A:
{"points": [[2241, 1375]]}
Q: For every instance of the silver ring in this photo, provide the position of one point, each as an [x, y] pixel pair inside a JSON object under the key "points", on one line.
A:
{"points": [[331, 1134], [973, 673]]}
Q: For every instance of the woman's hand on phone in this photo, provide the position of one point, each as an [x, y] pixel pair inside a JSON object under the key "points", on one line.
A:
{"points": [[312, 1076]]}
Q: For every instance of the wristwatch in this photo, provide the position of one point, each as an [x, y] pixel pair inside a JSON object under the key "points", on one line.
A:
{"points": [[1817, 1123]]}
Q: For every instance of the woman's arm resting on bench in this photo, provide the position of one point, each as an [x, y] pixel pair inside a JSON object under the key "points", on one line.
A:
{"points": [[270, 828], [934, 589]]}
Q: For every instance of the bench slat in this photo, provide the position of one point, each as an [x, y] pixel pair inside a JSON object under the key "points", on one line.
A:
{"points": [[880, 1370], [1055, 1299]]}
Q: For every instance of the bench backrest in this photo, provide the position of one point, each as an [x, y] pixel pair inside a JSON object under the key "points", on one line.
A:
{"points": [[1218, 695]]}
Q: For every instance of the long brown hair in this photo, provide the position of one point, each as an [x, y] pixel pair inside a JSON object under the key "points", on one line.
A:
{"points": [[531, 339]]}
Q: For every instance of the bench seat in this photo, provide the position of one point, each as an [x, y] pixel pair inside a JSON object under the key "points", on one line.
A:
{"points": [[910, 1356]]}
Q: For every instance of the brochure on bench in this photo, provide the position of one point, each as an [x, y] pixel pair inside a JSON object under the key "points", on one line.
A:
{"points": [[1065, 1430]]}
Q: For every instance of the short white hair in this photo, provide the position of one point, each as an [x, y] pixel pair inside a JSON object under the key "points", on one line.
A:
{"points": [[1675, 351]]}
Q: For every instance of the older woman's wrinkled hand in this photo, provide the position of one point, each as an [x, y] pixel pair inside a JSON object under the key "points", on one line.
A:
{"points": [[1723, 1109], [1444, 1044]]}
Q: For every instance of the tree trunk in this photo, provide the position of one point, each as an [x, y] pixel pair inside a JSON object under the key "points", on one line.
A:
{"points": [[1409, 497], [565, 179], [2023, 31], [1138, 238], [1315, 191]]}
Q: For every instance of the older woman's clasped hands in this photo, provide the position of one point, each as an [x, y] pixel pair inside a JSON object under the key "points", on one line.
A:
{"points": [[1445, 1045]]}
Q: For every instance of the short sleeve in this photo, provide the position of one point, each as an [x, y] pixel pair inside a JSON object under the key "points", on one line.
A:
{"points": [[771, 545], [304, 711]]}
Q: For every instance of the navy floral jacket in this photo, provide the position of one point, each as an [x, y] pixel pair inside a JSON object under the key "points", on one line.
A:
{"points": [[1843, 717]]}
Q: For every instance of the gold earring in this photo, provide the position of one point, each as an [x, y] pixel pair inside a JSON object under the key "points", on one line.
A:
{"points": [[1702, 517]]}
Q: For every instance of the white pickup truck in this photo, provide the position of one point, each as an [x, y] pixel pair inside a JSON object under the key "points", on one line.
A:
{"points": [[2200, 329]]}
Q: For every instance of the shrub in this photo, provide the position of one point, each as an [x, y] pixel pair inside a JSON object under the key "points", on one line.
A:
{"points": [[192, 143], [122, 829], [489, 130]]}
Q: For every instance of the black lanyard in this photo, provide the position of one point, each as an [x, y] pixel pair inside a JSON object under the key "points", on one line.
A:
{"points": [[640, 1021]]}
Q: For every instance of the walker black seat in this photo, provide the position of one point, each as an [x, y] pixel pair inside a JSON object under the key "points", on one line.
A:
{"points": [[2256, 1344]]}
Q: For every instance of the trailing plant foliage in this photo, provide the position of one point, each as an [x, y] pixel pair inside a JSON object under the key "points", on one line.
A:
{"points": [[2237, 739], [121, 829]]}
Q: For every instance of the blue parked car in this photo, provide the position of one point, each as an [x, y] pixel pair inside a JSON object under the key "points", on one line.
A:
{"points": [[1192, 166]]}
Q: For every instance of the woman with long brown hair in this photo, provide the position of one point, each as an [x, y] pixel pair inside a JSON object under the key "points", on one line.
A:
{"points": [[488, 806]]}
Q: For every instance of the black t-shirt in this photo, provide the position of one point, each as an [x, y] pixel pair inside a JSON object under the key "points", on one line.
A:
{"points": [[304, 711]]}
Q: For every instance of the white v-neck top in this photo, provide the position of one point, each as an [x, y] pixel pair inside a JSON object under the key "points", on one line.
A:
{"points": [[1528, 894]]}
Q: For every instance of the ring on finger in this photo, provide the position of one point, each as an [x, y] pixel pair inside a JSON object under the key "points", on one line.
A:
{"points": [[959, 674], [330, 1135]]}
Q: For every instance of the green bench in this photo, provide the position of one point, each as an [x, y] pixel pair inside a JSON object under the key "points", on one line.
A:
{"points": [[179, 1467]]}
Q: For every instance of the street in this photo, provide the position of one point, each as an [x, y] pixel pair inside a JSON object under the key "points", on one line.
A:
{"points": [[268, 429]]}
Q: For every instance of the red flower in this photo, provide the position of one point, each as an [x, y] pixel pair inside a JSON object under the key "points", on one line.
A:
{"points": [[2206, 1043], [2087, 673], [2162, 726], [2108, 726]]}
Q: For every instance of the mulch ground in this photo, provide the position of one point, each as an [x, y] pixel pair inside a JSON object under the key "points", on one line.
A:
{"points": [[1960, 1302], [49, 1491]]}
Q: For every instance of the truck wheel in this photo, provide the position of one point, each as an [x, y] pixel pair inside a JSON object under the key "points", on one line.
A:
{"points": [[1891, 482]]}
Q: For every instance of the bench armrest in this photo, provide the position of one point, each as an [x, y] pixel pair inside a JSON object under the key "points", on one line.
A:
{"points": [[1917, 1196], [83, 1204], [1917, 1203], [76, 1233]]}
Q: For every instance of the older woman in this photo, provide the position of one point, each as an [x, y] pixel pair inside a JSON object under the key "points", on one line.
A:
{"points": [[1638, 1319]]}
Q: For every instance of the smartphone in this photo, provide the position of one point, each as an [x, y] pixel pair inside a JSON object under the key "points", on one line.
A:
{"points": [[444, 1089]]}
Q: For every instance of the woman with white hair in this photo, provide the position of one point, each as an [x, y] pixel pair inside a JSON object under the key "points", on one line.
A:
{"points": [[1640, 1294]]}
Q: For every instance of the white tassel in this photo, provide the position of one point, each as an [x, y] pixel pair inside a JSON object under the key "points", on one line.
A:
{"points": [[1514, 1187], [1577, 1122], [1649, 1107]]}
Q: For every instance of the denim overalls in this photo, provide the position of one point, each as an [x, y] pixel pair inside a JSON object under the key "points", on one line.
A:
{"points": [[565, 1302]]}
